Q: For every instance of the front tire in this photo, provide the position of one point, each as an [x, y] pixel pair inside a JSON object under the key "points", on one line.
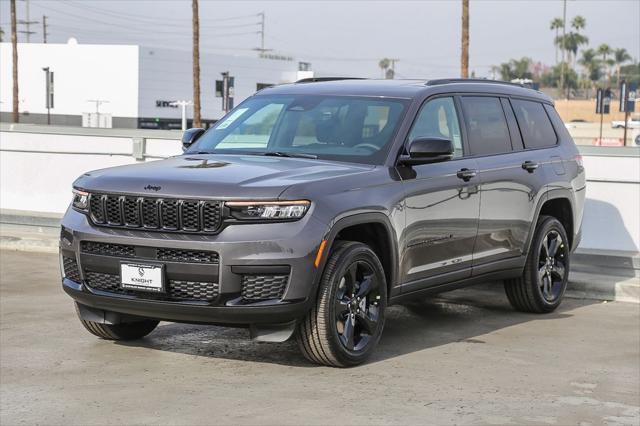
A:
{"points": [[123, 331], [345, 324], [541, 287]]}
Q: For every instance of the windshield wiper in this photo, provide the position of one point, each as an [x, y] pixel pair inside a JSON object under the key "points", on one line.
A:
{"points": [[290, 154]]}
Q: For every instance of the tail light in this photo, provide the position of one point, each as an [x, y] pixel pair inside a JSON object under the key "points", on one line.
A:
{"points": [[578, 159]]}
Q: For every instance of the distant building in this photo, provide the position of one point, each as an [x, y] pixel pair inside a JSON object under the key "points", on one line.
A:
{"points": [[129, 85]]}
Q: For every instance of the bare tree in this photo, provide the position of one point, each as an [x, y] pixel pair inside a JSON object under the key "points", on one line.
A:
{"points": [[464, 60], [14, 43], [196, 65]]}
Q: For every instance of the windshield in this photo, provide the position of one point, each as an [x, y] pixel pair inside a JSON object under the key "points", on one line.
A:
{"points": [[343, 128]]}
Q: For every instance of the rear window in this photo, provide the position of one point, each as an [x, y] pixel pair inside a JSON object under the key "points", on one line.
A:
{"points": [[535, 126], [486, 124]]}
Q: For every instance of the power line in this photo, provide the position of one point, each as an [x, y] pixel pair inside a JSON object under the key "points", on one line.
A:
{"points": [[147, 19]]}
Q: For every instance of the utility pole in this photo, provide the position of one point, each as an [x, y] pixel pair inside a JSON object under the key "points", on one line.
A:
{"points": [[27, 23], [261, 49], [44, 29], [196, 65], [14, 45], [562, 45], [464, 60]]}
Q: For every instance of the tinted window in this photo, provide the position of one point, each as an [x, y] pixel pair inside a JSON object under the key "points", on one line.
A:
{"points": [[537, 131], [488, 131], [438, 119], [342, 128]]}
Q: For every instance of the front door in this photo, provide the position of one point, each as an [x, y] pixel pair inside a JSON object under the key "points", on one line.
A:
{"points": [[442, 205]]}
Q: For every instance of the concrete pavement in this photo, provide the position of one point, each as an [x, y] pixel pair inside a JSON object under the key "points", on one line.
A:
{"points": [[464, 358]]}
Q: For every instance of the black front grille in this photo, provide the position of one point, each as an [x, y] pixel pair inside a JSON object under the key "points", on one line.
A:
{"points": [[71, 270], [159, 214], [107, 249], [263, 287], [163, 254], [177, 255], [177, 290]]}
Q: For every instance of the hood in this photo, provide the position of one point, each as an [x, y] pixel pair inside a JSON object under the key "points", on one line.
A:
{"points": [[215, 176]]}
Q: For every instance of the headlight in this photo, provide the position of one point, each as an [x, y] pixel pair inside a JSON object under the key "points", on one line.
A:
{"points": [[268, 210], [80, 200]]}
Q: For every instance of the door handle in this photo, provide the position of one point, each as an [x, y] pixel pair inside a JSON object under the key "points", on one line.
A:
{"points": [[530, 166], [466, 174]]}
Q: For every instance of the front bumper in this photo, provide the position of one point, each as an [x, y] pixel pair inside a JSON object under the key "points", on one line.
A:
{"points": [[273, 313], [240, 248]]}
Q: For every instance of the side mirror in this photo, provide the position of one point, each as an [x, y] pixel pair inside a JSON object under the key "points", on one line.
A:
{"points": [[190, 136], [428, 150]]}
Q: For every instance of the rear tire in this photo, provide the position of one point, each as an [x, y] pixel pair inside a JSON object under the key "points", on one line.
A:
{"points": [[123, 331], [541, 287], [344, 326]]}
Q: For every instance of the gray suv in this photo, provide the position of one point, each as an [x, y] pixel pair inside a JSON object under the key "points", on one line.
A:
{"points": [[313, 206]]}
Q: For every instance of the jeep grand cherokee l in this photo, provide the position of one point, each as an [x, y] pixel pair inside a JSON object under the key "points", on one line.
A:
{"points": [[311, 207]]}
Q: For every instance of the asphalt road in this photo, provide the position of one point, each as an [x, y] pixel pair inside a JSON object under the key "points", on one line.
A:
{"points": [[464, 358]]}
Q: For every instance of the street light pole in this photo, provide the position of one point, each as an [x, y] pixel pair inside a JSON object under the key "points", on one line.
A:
{"points": [[184, 105], [47, 92]]}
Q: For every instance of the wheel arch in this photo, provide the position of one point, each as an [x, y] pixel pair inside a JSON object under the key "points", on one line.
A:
{"points": [[556, 203], [373, 229]]}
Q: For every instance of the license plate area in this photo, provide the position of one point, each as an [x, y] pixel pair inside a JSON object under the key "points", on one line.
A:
{"points": [[142, 277]]}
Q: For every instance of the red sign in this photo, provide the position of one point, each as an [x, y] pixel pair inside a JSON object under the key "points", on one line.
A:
{"points": [[608, 142]]}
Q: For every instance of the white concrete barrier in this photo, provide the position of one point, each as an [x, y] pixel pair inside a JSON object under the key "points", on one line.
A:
{"points": [[39, 163]]}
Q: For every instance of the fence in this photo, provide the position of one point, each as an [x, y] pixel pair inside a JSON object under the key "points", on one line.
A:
{"points": [[39, 163]]}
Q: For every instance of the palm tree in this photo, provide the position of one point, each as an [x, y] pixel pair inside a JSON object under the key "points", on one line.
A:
{"points": [[556, 24], [591, 64], [384, 65], [620, 56], [196, 64], [464, 58], [571, 43], [605, 50], [578, 23]]}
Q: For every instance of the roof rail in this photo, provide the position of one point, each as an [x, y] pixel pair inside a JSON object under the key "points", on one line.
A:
{"points": [[471, 80], [319, 79]]}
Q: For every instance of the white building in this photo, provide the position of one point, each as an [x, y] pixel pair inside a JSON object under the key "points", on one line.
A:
{"points": [[133, 85]]}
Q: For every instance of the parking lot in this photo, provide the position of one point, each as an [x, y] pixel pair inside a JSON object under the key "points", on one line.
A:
{"points": [[462, 358]]}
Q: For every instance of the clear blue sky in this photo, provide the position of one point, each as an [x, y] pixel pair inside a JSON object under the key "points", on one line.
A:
{"points": [[342, 37]]}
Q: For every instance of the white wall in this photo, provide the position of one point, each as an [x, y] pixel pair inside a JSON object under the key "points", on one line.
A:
{"points": [[81, 72], [612, 209], [41, 180], [167, 75]]}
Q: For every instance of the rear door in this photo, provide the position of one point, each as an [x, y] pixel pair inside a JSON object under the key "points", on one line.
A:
{"points": [[511, 180]]}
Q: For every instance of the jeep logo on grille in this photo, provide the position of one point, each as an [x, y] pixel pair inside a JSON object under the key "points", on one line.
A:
{"points": [[152, 188]]}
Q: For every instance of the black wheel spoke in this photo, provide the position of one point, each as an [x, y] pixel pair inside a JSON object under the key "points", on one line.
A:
{"points": [[545, 247], [367, 321], [542, 272], [365, 286], [558, 270], [546, 286], [341, 306], [553, 246], [351, 277], [348, 335]]}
